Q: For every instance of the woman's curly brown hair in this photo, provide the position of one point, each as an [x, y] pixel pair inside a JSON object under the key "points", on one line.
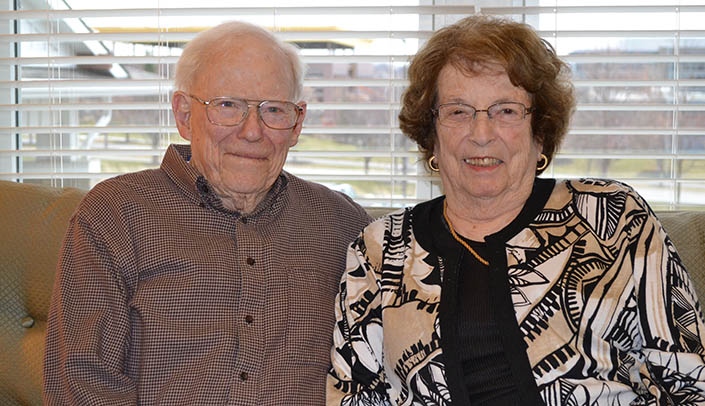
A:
{"points": [[530, 62]]}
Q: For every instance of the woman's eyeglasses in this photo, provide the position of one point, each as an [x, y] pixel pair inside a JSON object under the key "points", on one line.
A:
{"points": [[505, 114]]}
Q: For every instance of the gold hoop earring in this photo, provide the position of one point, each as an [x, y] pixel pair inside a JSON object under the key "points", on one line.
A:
{"points": [[433, 164], [542, 163]]}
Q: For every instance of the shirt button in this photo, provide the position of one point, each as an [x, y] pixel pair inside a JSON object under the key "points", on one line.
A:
{"points": [[28, 322], [243, 376], [250, 261], [249, 319]]}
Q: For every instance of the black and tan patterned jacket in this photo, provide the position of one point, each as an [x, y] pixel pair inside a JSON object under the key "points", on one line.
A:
{"points": [[602, 310]]}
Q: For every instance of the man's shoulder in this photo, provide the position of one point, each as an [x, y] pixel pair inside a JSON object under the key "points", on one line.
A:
{"points": [[128, 187], [144, 179], [326, 202], [318, 191]]}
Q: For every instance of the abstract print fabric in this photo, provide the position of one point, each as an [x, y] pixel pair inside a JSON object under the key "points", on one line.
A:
{"points": [[602, 300]]}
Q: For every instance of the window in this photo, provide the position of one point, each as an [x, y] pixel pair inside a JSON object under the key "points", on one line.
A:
{"points": [[85, 88]]}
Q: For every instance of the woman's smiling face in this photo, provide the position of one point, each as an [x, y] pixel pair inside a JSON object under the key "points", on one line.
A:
{"points": [[484, 160]]}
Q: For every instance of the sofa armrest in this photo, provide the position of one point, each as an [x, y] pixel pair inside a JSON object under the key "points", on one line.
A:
{"points": [[33, 221]]}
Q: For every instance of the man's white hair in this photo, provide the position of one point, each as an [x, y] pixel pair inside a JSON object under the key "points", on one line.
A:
{"points": [[201, 49]]}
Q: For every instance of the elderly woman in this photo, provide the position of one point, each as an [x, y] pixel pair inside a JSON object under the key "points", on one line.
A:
{"points": [[511, 289]]}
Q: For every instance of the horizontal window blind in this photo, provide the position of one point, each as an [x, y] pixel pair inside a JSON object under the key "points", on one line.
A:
{"points": [[85, 88]]}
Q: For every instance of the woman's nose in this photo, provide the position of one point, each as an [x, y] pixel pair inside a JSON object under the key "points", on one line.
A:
{"points": [[482, 130]]}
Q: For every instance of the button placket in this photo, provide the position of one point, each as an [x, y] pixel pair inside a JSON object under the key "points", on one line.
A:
{"points": [[253, 293]]}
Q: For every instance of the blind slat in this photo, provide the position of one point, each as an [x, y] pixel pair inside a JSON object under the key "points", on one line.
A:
{"points": [[285, 10]]}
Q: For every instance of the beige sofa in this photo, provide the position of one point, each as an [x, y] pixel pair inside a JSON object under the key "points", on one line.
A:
{"points": [[32, 222]]}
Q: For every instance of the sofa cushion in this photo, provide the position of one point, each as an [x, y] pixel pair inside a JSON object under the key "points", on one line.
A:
{"points": [[34, 219], [687, 231]]}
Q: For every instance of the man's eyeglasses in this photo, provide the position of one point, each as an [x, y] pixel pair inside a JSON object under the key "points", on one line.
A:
{"points": [[230, 111], [505, 114]]}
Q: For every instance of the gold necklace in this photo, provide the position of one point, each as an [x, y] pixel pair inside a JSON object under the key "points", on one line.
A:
{"points": [[467, 246]]}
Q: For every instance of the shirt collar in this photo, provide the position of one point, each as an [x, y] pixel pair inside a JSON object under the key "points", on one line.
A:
{"points": [[197, 189]]}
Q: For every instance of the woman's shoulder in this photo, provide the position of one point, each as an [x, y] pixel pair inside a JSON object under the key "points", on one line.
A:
{"points": [[596, 185], [400, 219], [601, 203], [387, 223], [401, 230], [583, 190]]}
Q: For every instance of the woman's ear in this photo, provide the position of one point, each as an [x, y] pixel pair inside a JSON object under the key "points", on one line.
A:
{"points": [[181, 107]]}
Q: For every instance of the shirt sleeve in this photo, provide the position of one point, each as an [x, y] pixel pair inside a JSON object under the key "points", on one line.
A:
{"points": [[88, 324], [357, 374], [673, 330]]}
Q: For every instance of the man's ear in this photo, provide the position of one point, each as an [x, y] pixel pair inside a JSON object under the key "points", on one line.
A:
{"points": [[296, 131], [181, 107]]}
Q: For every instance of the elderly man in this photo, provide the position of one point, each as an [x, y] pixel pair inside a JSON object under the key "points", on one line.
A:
{"points": [[210, 280]]}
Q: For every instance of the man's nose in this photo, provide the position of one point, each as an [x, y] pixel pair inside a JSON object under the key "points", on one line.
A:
{"points": [[251, 127]]}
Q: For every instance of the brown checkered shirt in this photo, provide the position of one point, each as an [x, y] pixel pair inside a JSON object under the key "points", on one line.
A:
{"points": [[162, 296]]}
